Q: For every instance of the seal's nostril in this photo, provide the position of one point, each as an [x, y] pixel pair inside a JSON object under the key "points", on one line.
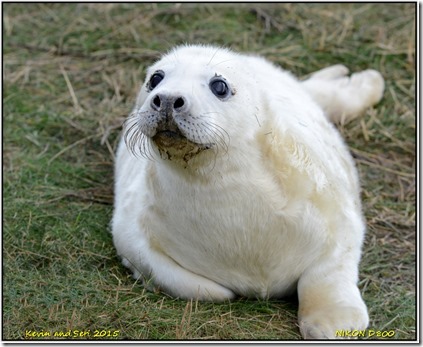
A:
{"points": [[179, 102], [156, 101], [168, 103]]}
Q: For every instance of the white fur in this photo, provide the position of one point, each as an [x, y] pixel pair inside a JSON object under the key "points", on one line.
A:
{"points": [[277, 210]]}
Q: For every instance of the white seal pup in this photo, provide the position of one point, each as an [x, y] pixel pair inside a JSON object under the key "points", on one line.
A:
{"points": [[231, 181]]}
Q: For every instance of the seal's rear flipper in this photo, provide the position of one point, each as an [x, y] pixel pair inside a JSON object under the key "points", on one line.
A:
{"points": [[343, 97]]}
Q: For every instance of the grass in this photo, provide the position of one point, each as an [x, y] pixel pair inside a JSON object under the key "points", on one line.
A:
{"points": [[71, 73]]}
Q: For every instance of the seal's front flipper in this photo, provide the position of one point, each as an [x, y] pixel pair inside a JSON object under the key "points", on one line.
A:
{"points": [[329, 299], [171, 278]]}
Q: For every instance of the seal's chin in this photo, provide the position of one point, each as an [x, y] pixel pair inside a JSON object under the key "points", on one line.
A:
{"points": [[173, 145]]}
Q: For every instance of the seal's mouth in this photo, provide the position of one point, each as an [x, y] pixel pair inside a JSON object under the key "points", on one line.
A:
{"points": [[173, 144], [169, 134], [169, 138]]}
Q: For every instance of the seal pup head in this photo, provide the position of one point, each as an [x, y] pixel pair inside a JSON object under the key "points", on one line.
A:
{"points": [[188, 106]]}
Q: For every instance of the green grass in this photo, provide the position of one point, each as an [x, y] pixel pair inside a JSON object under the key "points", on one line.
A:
{"points": [[71, 73]]}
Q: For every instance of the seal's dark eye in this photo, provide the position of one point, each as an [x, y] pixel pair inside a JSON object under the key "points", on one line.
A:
{"points": [[219, 87], [155, 79]]}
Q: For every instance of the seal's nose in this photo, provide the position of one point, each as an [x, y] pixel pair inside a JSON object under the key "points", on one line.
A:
{"points": [[168, 103]]}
